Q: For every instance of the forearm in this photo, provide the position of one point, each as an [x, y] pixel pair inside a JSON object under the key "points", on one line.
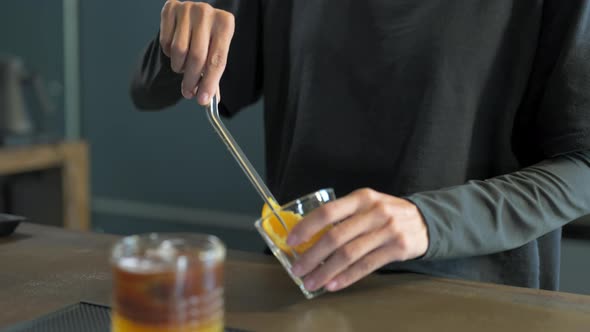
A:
{"points": [[505, 212]]}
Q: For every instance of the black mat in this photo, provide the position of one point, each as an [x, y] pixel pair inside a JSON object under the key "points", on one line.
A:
{"points": [[79, 317]]}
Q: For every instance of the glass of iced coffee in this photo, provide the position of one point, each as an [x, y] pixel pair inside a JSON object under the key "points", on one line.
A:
{"points": [[168, 282]]}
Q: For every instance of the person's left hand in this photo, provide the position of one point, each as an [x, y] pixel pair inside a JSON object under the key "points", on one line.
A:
{"points": [[371, 229]]}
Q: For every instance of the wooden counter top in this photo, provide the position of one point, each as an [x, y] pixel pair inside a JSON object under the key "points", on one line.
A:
{"points": [[43, 269]]}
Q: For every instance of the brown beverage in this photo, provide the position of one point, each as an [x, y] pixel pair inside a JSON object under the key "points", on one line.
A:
{"points": [[165, 283]]}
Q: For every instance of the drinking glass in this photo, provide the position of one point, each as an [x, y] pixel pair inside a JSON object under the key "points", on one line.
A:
{"points": [[168, 282], [275, 235]]}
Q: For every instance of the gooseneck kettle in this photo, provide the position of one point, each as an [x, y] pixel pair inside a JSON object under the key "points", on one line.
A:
{"points": [[16, 116]]}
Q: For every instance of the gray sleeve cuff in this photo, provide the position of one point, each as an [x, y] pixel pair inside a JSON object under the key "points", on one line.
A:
{"points": [[433, 232]]}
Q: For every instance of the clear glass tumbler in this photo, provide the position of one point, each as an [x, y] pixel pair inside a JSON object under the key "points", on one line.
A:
{"points": [[168, 282], [275, 235]]}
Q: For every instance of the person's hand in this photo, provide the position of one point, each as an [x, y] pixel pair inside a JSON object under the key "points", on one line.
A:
{"points": [[196, 37], [370, 230]]}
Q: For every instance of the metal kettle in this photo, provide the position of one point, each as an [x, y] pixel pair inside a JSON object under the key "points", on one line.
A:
{"points": [[16, 118]]}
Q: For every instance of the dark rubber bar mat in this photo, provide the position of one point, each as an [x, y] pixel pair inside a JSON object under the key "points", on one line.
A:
{"points": [[79, 317]]}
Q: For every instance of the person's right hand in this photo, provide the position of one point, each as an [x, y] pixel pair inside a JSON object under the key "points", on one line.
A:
{"points": [[196, 37]]}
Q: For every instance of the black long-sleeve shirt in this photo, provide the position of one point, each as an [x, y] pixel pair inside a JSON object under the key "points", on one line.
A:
{"points": [[477, 111]]}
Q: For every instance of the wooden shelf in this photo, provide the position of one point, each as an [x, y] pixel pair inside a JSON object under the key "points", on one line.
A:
{"points": [[72, 158]]}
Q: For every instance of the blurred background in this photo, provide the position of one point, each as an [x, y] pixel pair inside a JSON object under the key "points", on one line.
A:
{"points": [[159, 171], [76, 153]]}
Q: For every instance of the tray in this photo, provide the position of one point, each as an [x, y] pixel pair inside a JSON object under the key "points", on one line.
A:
{"points": [[83, 316], [8, 223]]}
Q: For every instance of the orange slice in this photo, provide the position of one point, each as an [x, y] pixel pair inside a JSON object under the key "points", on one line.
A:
{"points": [[273, 228]]}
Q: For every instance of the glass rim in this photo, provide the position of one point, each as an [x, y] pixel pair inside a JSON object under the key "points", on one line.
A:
{"points": [[303, 198], [208, 247]]}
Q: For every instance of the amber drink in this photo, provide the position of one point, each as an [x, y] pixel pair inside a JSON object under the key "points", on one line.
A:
{"points": [[168, 282]]}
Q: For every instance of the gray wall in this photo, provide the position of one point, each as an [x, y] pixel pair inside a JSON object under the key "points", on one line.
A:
{"points": [[575, 270]]}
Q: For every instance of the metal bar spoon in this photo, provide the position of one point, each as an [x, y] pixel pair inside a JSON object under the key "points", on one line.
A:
{"points": [[240, 157]]}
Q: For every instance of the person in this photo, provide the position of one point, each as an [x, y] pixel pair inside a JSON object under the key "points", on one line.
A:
{"points": [[455, 133]]}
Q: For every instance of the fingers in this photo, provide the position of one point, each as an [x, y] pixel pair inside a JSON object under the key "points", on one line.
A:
{"points": [[375, 229], [344, 257], [339, 237], [402, 233], [363, 267], [330, 214], [221, 36], [167, 25], [196, 37], [197, 54], [181, 40]]}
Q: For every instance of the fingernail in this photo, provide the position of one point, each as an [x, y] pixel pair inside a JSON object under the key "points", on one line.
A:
{"points": [[187, 94], [292, 240], [309, 284], [203, 98], [296, 270], [332, 285]]}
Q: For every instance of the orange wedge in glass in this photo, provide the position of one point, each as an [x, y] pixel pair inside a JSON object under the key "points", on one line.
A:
{"points": [[278, 234]]}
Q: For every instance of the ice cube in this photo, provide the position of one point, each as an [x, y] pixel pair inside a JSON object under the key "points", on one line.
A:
{"points": [[167, 251], [139, 265]]}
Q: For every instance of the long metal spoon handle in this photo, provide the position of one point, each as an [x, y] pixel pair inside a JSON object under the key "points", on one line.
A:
{"points": [[238, 154], [226, 137]]}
